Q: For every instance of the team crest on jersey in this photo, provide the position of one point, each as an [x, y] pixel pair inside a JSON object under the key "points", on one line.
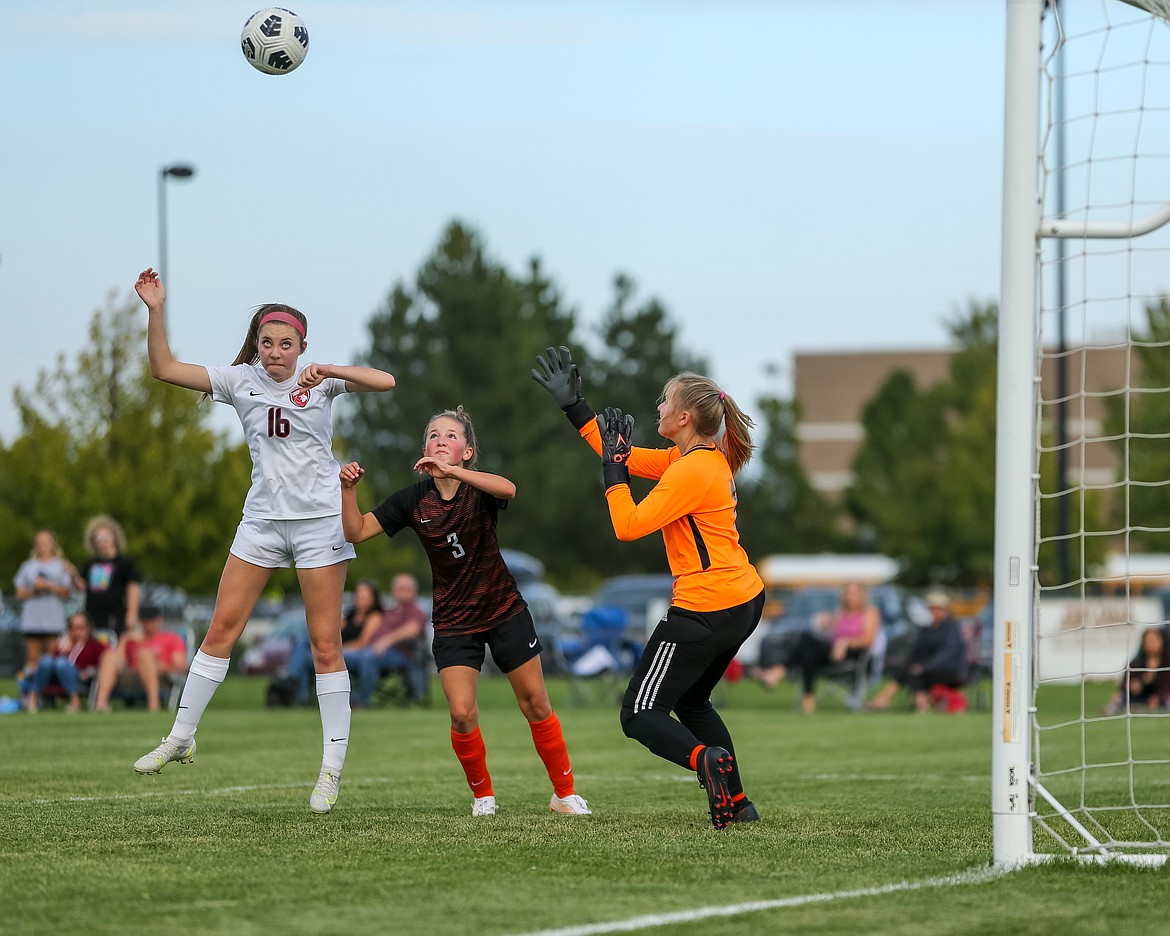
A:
{"points": [[300, 396]]}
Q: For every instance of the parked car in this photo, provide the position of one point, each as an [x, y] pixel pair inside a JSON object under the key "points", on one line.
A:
{"points": [[545, 603], [643, 598], [611, 633], [524, 568]]}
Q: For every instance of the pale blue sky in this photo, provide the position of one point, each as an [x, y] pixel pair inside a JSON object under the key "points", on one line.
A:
{"points": [[785, 175]]}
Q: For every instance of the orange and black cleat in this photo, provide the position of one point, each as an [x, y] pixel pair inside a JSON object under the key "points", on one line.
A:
{"points": [[713, 767]]}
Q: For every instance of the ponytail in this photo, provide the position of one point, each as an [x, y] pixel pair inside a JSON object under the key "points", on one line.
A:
{"points": [[716, 416]]}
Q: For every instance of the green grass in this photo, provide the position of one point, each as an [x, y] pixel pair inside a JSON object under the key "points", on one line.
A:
{"points": [[227, 845]]}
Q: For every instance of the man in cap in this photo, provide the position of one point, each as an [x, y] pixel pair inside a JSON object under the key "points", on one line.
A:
{"points": [[938, 658]]}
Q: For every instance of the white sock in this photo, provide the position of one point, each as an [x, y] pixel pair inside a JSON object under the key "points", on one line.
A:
{"points": [[204, 677], [333, 700]]}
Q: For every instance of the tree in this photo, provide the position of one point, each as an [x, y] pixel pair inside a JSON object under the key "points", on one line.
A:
{"points": [[779, 510], [643, 353], [468, 333], [924, 476], [1139, 420], [102, 436]]}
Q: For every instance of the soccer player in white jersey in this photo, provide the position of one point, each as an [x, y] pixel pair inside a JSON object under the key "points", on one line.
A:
{"points": [[292, 514]]}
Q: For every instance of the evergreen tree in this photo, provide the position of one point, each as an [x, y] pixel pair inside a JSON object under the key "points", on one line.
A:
{"points": [[467, 334], [924, 476], [779, 510]]}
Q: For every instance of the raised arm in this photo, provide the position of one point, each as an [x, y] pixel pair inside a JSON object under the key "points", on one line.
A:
{"points": [[163, 365], [357, 379], [493, 484], [561, 378]]}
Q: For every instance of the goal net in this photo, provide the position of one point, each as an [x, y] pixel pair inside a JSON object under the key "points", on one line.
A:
{"points": [[1081, 760]]}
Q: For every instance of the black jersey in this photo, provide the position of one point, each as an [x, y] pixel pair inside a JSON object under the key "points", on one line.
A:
{"points": [[473, 589]]}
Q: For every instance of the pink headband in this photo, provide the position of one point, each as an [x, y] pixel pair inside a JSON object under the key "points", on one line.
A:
{"points": [[284, 317]]}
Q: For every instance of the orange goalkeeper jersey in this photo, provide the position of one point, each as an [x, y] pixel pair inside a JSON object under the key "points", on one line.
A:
{"points": [[693, 504]]}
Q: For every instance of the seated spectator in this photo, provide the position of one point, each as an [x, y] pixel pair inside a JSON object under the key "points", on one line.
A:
{"points": [[842, 635], [72, 664], [142, 661], [1146, 682], [365, 612], [392, 640], [938, 658]]}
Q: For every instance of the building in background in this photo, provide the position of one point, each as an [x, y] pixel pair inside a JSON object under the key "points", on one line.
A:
{"points": [[832, 389]]}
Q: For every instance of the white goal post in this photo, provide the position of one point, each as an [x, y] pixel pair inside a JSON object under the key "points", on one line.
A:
{"points": [[1087, 115]]}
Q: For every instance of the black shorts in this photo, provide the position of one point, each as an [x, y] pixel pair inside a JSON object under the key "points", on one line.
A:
{"points": [[513, 643], [687, 655]]}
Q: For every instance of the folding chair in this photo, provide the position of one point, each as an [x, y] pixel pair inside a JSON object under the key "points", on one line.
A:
{"points": [[599, 656], [855, 677]]}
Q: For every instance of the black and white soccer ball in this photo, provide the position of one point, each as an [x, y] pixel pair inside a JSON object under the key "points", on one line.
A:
{"points": [[274, 40]]}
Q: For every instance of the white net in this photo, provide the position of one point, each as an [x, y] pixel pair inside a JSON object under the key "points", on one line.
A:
{"points": [[1101, 749]]}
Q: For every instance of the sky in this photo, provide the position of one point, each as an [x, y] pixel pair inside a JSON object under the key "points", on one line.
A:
{"points": [[783, 175]]}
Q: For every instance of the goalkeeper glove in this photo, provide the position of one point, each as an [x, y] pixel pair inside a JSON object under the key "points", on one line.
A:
{"points": [[616, 430], [560, 377]]}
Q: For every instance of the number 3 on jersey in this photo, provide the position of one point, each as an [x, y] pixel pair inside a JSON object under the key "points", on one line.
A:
{"points": [[457, 549], [278, 424]]}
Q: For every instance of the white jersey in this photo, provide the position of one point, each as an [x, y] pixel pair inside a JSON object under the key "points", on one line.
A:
{"points": [[289, 431]]}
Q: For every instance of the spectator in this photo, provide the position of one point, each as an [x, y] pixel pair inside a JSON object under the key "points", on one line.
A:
{"points": [[112, 582], [1146, 681], [365, 612], [392, 638], [938, 657], [842, 635], [43, 582], [141, 662], [73, 663]]}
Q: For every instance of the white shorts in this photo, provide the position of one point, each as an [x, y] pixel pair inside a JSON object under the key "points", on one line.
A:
{"points": [[278, 544]]}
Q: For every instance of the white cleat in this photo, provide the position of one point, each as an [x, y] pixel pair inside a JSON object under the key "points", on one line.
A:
{"points": [[483, 806], [324, 795], [571, 805], [156, 760]]}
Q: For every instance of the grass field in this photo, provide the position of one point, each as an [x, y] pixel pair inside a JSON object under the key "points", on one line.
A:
{"points": [[871, 824]]}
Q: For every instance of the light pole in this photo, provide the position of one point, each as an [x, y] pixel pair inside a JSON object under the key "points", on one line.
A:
{"points": [[177, 171]]}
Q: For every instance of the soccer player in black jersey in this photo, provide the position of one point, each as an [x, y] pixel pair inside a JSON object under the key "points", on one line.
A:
{"points": [[476, 604]]}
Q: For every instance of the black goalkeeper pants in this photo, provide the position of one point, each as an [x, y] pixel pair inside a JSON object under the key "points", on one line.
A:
{"points": [[685, 657]]}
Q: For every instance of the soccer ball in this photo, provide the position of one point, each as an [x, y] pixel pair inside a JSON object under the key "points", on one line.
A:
{"points": [[274, 40]]}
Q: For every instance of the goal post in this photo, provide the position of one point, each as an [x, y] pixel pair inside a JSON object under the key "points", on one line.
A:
{"points": [[1092, 785], [1015, 438]]}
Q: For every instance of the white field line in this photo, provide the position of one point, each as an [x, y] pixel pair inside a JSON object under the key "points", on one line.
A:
{"points": [[829, 777], [147, 794], [250, 788], [979, 875]]}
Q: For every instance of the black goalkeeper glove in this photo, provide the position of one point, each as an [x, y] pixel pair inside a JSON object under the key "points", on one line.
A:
{"points": [[560, 377], [617, 428]]}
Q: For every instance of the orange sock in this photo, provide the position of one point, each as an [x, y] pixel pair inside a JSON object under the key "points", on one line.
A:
{"points": [[550, 745], [694, 758], [472, 754]]}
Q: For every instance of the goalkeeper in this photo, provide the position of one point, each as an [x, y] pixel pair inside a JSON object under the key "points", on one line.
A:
{"points": [[718, 596]]}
